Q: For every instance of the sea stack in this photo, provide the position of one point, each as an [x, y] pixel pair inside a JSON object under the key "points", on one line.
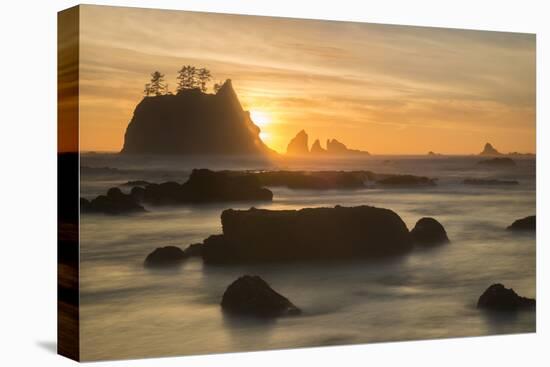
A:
{"points": [[299, 144], [316, 148], [489, 150], [194, 123]]}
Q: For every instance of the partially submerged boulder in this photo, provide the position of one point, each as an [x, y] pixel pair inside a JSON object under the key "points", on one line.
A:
{"points": [[525, 224], [499, 298], [428, 231], [170, 256], [115, 202], [165, 257], [251, 296], [259, 235]]}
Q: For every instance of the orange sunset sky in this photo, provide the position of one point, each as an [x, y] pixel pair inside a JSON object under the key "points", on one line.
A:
{"points": [[384, 89]]}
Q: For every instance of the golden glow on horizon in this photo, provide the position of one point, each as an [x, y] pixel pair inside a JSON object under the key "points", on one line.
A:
{"points": [[384, 89]]}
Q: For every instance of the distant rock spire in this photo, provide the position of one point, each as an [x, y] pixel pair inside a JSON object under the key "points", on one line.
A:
{"points": [[316, 148], [299, 144], [489, 150]]}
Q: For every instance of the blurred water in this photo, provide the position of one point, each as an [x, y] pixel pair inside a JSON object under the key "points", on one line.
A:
{"points": [[128, 311]]}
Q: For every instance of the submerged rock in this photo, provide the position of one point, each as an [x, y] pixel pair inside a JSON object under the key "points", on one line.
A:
{"points": [[171, 255], [429, 231], [406, 180], [115, 202], [252, 296], [165, 257], [205, 186], [259, 235], [499, 298], [498, 162], [488, 182], [525, 224]]}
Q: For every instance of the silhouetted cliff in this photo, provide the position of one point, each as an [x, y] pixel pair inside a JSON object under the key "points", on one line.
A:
{"points": [[489, 150], [195, 123]]}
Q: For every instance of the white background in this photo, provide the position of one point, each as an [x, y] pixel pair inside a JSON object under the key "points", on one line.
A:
{"points": [[28, 182]]}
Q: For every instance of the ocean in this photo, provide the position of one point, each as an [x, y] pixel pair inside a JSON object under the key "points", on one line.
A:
{"points": [[128, 311]]}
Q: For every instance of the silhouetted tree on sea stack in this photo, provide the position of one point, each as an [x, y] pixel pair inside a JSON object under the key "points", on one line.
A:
{"points": [[157, 86], [191, 77]]}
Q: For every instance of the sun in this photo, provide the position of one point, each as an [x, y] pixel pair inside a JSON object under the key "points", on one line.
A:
{"points": [[260, 118]]}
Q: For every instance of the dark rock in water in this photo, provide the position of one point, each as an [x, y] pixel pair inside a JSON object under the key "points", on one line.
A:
{"points": [[115, 202], [252, 296], [489, 150], [498, 162], [165, 257], [524, 224], [298, 145], [429, 231], [259, 235], [136, 183], [194, 249], [499, 298], [170, 256], [406, 180], [316, 148], [315, 180], [205, 186], [194, 123], [489, 182]]}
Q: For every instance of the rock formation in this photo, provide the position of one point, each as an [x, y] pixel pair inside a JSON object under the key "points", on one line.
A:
{"points": [[524, 224], [259, 235], [115, 202], [170, 256], [499, 298], [316, 148], [405, 180], [298, 145], [488, 150], [193, 123], [252, 296], [205, 186], [429, 231], [315, 180]]}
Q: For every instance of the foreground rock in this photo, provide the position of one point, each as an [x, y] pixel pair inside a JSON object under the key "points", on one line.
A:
{"points": [[525, 224], [406, 180], [429, 231], [115, 202], [259, 235], [499, 298], [489, 182], [205, 186], [498, 162], [171, 256], [252, 296]]}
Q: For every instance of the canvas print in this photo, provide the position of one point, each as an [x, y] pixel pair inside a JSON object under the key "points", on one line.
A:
{"points": [[233, 183]]}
